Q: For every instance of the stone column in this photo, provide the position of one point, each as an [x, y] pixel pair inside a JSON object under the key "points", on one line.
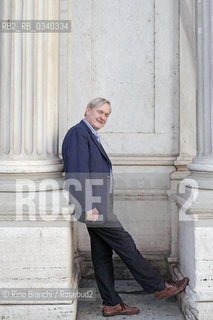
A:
{"points": [[196, 215], [29, 92], [38, 253], [203, 162]]}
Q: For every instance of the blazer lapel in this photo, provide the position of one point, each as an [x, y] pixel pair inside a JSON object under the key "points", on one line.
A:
{"points": [[100, 147], [96, 142]]}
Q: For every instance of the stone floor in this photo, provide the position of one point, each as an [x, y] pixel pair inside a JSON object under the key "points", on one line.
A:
{"points": [[132, 294]]}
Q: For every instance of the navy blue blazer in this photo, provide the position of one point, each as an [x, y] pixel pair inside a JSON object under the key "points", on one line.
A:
{"points": [[84, 158]]}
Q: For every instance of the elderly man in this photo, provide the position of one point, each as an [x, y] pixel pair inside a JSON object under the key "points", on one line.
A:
{"points": [[86, 160]]}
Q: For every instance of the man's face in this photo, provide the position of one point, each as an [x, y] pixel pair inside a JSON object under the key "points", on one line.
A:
{"points": [[97, 116]]}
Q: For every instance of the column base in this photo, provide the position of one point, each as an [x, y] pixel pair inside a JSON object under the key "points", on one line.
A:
{"points": [[30, 166], [40, 259], [204, 179], [186, 299], [32, 181], [195, 253], [194, 303]]}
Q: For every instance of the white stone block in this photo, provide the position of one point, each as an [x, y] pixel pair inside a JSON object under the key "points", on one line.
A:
{"points": [[36, 257]]}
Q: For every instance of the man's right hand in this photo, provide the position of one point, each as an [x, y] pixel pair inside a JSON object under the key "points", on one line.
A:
{"points": [[92, 215]]}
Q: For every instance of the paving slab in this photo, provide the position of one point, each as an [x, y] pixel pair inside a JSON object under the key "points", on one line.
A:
{"points": [[133, 295]]}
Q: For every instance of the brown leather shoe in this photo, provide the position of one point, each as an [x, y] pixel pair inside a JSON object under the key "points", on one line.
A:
{"points": [[120, 308], [172, 288]]}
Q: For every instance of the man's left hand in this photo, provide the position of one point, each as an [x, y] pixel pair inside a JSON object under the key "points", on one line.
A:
{"points": [[92, 215]]}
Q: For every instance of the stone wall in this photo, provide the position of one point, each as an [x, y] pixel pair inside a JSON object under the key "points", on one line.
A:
{"points": [[128, 52]]}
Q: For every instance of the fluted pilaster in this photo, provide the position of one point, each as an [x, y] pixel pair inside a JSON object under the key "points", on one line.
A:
{"points": [[29, 91], [204, 160]]}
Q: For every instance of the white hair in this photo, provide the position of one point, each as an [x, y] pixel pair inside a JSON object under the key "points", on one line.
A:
{"points": [[97, 102]]}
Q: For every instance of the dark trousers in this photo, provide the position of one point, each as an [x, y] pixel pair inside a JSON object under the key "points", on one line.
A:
{"points": [[103, 241]]}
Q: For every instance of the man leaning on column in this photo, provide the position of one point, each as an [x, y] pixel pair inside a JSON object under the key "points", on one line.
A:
{"points": [[85, 158]]}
